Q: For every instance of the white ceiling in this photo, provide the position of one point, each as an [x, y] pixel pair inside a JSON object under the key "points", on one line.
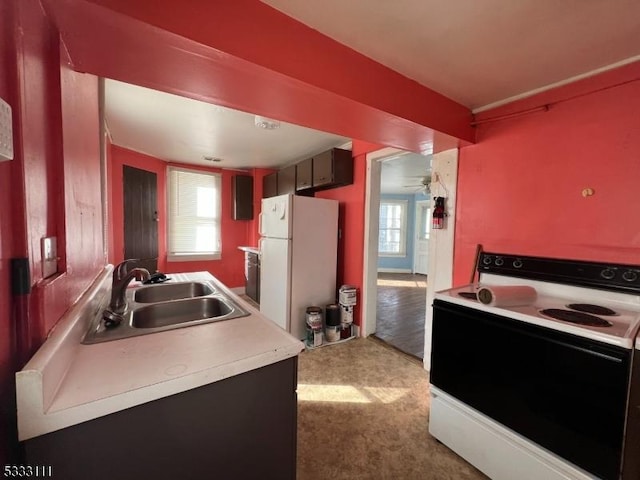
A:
{"points": [[479, 52], [179, 129], [404, 173]]}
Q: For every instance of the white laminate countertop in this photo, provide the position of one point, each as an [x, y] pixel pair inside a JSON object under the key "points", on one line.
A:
{"points": [[250, 249], [67, 383]]}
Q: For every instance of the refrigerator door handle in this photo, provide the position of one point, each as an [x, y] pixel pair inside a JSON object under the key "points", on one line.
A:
{"points": [[260, 224]]}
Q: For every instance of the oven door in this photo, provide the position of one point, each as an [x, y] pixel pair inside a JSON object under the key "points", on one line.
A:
{"points": [[565, 393]]}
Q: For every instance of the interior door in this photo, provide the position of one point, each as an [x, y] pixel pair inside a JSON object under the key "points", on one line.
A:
{"points": [[140, 216], [423, 225]]}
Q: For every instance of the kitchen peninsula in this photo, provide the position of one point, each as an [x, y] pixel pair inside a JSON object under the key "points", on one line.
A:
{"points": [[184, 403]]}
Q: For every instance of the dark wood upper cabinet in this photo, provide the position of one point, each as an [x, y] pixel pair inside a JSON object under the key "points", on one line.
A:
{"points": [[287, 180], [330, 169], [270, 185], [304, 174], [242, 188], [333, 168], [323, 169]]}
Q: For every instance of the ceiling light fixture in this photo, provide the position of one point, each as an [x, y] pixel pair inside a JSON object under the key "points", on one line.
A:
{"points": [[266, 123]]}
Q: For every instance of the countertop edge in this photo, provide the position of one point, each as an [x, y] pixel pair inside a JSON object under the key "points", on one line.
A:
{"points": [[42, 422]]}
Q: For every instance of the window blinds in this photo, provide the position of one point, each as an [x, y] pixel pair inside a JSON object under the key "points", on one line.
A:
{"points": [[194, 213]]}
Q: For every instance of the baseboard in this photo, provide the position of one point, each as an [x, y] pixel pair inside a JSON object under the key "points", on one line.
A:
{"points": [[395, 270]]}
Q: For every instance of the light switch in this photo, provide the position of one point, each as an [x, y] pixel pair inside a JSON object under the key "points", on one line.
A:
{"points": [[49, 256], [6, 132]]}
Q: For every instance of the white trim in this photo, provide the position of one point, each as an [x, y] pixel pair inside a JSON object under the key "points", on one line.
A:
{"points": [[395, 270], [441, 241], [551, 86], [370, 260]]}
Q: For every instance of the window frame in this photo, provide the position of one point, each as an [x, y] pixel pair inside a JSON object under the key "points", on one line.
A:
{"points": [[216, 253], [404, 204]]}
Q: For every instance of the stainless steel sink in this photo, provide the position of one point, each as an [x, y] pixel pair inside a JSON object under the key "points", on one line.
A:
{"points": [[185, 311], [166, 307], [171, 291]]}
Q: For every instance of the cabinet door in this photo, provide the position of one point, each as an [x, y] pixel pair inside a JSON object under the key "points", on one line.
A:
{"points": [[242, 197], [253, 276], [287, 180], [304, 171], [323, 168], [270, 185]]}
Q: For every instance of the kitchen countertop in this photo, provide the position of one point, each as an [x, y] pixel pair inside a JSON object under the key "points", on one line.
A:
{"points": [[67, 383], [250, 249]]}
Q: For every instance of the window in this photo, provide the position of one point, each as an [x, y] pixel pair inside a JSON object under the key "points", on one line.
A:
{"points": [[194, 215], [392, 236]]}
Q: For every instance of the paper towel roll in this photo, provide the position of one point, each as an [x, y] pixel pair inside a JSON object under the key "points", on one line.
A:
{"points": [[507, 296]]}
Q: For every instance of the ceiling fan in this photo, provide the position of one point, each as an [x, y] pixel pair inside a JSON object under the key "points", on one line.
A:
{"points": [[424, 186]]}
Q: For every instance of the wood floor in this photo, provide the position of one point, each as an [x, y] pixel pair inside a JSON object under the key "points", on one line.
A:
{"points": [[401, 310]]}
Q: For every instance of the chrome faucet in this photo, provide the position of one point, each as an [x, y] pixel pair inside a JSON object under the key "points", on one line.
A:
{"points": [[122, 276]]}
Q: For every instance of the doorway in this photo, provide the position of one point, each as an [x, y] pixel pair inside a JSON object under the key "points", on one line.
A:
{"points": [[401, 226], [140, 216]]}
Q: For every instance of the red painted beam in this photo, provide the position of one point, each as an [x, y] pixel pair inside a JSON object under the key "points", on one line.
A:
{"points": [[248, 56]]}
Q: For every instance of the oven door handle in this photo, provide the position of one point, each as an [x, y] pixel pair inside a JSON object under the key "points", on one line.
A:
{"points": [[590, 351]]}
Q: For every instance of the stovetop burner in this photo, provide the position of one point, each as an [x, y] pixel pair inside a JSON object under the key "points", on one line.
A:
{"points": [[590, 308], [580, 318], [468, 295]]}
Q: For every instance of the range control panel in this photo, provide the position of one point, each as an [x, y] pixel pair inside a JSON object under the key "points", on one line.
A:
{"points": [[607, 276]]}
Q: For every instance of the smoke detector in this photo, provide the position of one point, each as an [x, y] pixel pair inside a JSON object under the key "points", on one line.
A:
{"points": [[266, 123]]}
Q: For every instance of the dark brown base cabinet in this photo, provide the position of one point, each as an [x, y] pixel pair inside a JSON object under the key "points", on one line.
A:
{"points": [[252, 282], [242, 427]]}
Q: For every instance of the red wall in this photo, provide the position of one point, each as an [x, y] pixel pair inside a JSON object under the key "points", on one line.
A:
{"points": [[351, 222], [519, 187], [52, 187], [10, 228], [258, 60], [229, 269]]}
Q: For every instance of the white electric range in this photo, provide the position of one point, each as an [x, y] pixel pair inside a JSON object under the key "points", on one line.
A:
{"points": [[521, 394]]}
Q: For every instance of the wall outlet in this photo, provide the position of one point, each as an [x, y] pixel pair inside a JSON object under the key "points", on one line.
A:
{"points": [[6, 132], [49, 256]]}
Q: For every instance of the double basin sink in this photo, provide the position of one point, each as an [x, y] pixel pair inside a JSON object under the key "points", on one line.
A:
{"points": [[168, 306]]}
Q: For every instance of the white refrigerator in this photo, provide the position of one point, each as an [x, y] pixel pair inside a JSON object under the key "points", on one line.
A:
{"points": [[298, 255]]}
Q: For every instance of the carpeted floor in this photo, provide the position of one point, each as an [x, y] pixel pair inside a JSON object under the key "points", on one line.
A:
{"points": [[363, 412]]}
